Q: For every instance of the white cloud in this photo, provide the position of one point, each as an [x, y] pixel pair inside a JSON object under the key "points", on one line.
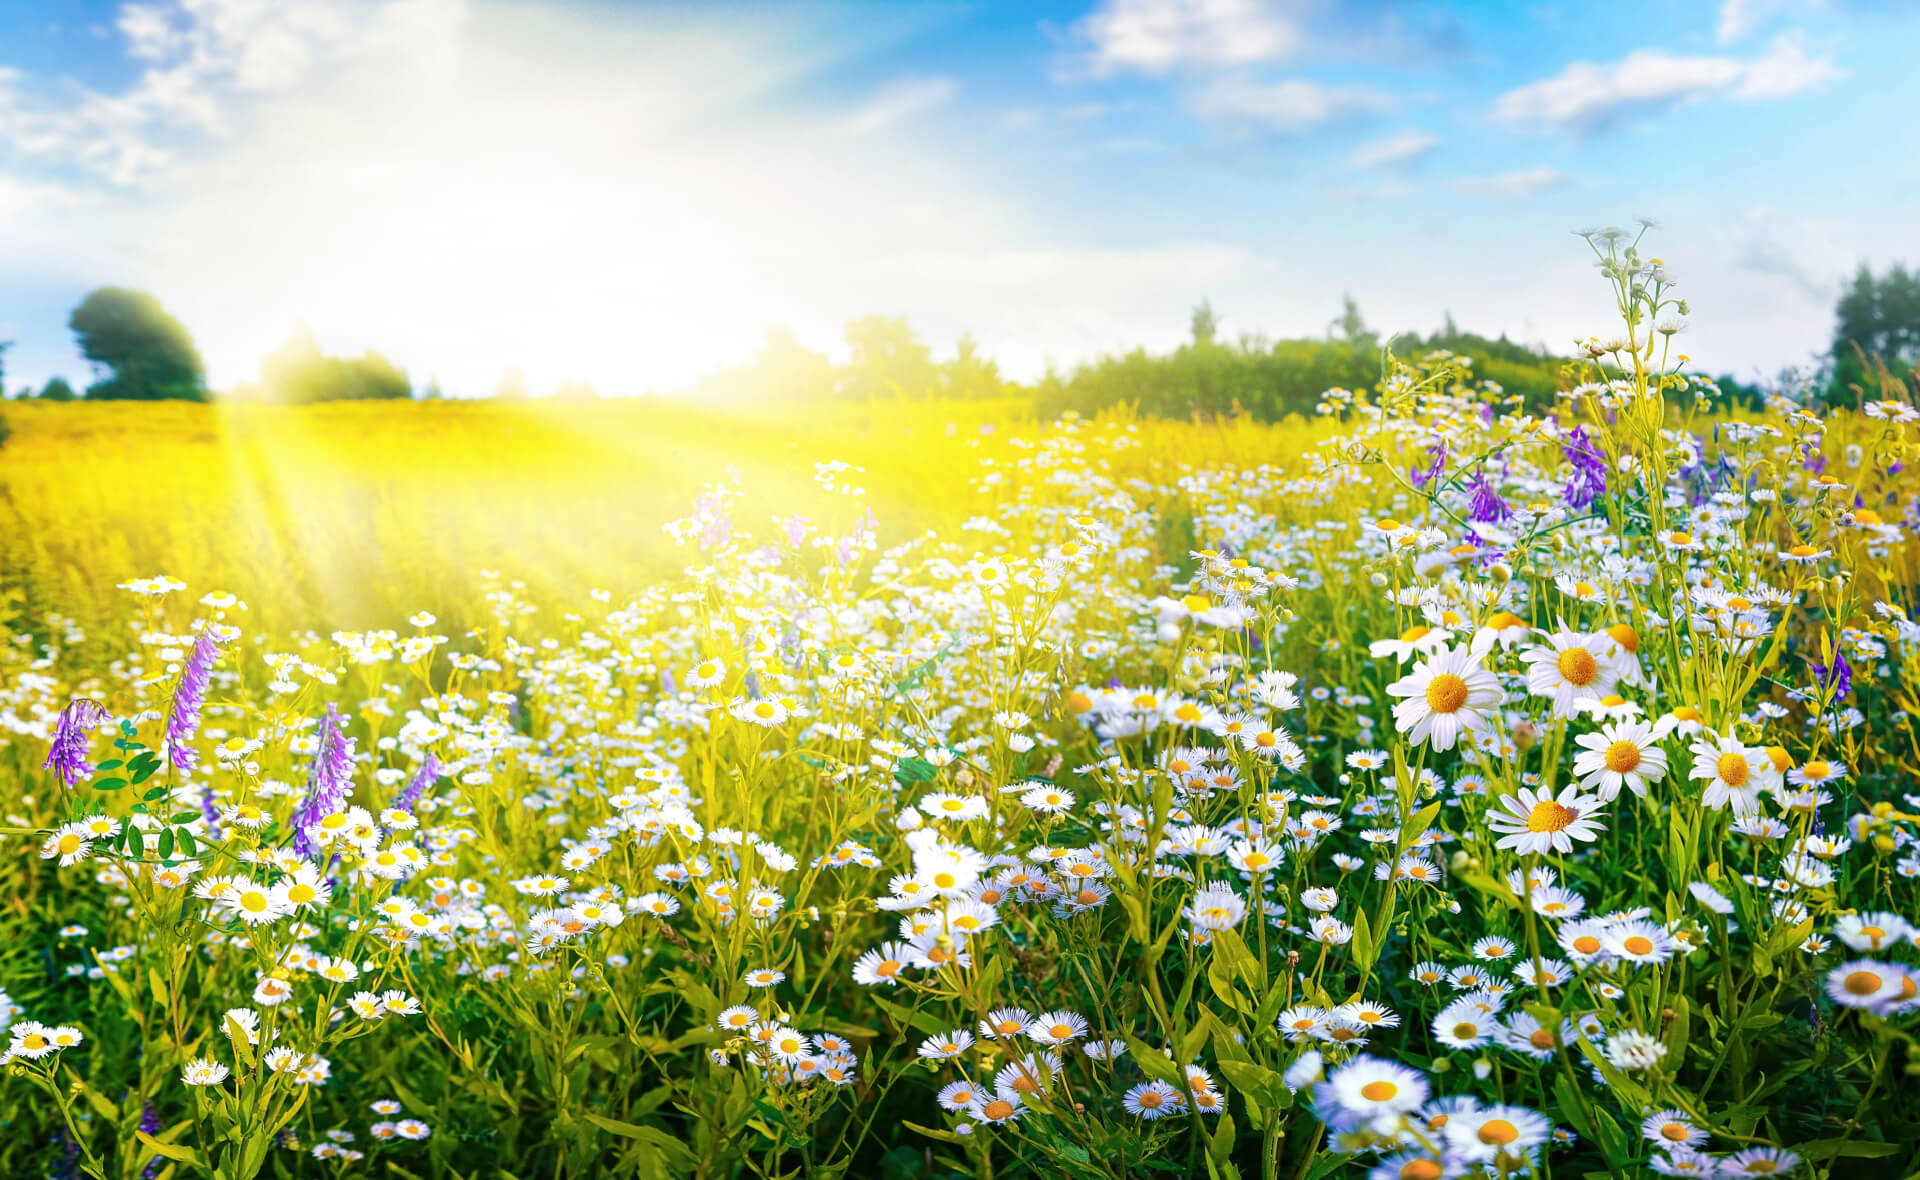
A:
{"points": [[1394, 149], [1523, 183], [1587, 97], [902, 100], [1288, 107], [1158, 36], [1741, 17], [626, 197], [200, 56]]}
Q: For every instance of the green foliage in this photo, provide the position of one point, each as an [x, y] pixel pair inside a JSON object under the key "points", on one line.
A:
{"points": [[298, 373], [1877, 317], [149, 354], [1208, 377], [888, 361], [57, 390]]}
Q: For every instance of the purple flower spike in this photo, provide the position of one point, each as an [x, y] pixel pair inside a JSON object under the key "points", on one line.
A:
{"points": [[69, 757], [189, 699], [329, 782]]}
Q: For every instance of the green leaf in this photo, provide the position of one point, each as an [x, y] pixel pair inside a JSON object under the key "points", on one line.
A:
{"points": [[166, 844], [1155, 1064], [108, 784], [932, 1132], [172, 1151], [1826, 1149], [1363, 949], [1264, 1084], [110, 764]]}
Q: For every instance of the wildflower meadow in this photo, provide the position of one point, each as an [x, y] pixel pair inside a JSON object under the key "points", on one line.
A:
{"points": [[1441, 787]]}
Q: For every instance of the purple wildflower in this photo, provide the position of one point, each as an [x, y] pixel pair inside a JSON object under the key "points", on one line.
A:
{"points": [[426, 776], [329, 782], [150, 1125], [1485, 505], [208, 812], [68, 757], [1837, 680], [189, 699], [1589, 479], [1436, 462]]}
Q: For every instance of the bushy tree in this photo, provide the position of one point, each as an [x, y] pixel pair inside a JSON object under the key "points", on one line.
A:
{"points": [[1877, 317], [298, 373], [57, 390], [972, 375], [888, 361], [146, 353]]}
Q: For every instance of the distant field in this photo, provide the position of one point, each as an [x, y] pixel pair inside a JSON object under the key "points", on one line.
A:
{"points": [[355, 515]]}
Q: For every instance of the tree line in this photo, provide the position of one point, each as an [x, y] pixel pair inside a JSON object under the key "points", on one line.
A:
{"points": [[140, 352]]}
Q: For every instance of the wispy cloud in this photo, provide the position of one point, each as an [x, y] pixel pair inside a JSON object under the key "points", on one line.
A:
{"points": [[1288, 107], [1589, 97], [902, 100], [1523, 183], [1394, 149], [199, 58], [1160, 36]]}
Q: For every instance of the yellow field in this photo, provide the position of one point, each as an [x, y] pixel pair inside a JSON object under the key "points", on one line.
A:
{"points": [[355, 515]]}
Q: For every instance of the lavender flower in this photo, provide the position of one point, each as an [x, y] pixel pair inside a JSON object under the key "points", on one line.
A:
{"points": [[426, 776], [1589, 479], [1485, 506], [1837, 679], [1437, 461], [208, 812], [329, 782], [68, 757], [150, 1125], [189, 699]]}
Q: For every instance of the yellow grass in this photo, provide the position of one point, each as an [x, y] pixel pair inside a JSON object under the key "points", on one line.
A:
{"points": [[354, 515]]}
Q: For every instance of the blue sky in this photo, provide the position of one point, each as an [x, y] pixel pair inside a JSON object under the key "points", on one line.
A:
{"points": [[630, 194]]}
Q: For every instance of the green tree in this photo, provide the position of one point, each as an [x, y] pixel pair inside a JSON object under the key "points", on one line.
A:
{"points": [[1877, 317], [298, 373], [147, 353], [888, 361], [1205, 325], [57, 390], [512, 387], [971, 375]]}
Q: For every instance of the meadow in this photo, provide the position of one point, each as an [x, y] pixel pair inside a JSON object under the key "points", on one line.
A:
{"points": [[1434, 788]]}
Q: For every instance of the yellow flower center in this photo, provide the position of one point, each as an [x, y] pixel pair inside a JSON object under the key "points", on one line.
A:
{"points": [[1548, 816], [1674, 1131], [68, 844], [1578, 667], [1733, 769], [253, 901], [1638, 945], [1446, 693], [1862, 983], [1420, 1170], [1623, 757], [1465, 1031], [1378, 1091], [1498, 1131], [1415, 633], [1540, 1038], [1816, 770]]}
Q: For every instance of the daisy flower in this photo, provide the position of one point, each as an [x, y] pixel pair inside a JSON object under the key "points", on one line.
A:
{"points": [[1571, 669], [1623, 754], [1540, 821], [1446, 696]]}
